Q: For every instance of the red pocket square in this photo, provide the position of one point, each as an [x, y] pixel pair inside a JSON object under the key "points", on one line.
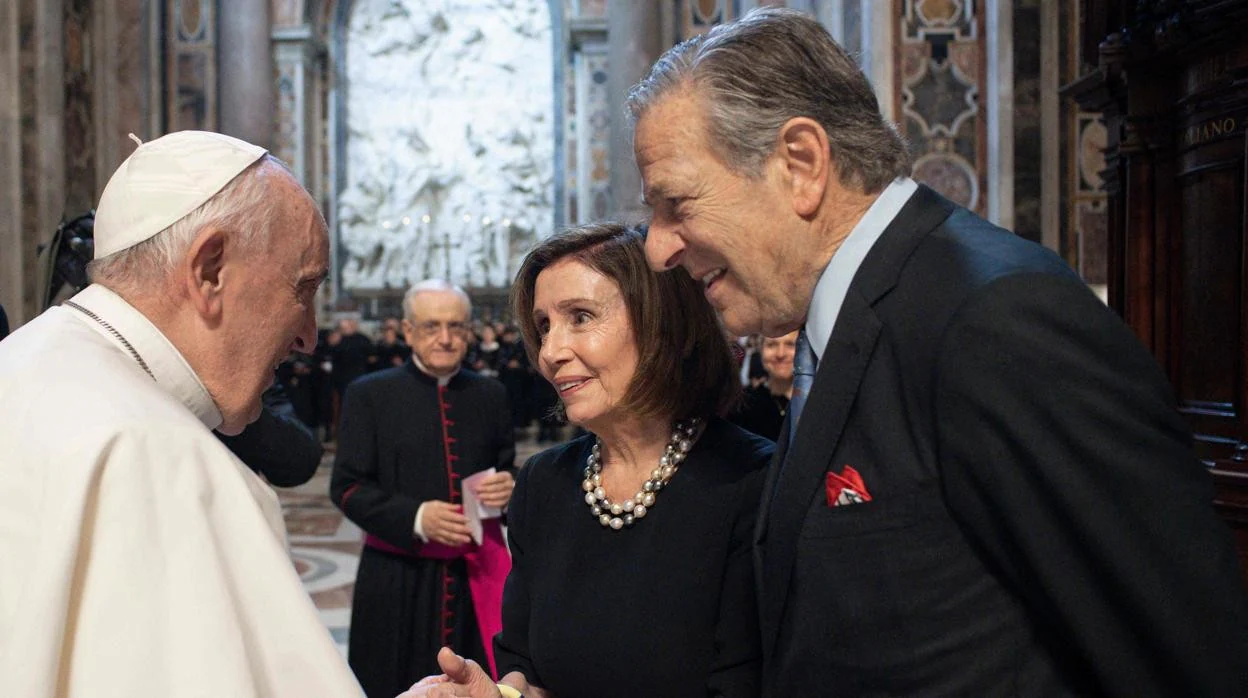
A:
{"points": [[846, 488]]}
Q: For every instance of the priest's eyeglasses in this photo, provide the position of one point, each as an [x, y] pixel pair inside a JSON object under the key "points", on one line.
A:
{"points": [[431, 328]]}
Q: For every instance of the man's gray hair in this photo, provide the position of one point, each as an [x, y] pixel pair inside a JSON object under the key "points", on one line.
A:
{"points": [[773, 65], [433, 285], [246, 206]]}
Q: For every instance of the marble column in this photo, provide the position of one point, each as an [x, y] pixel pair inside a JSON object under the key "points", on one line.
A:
{"points": [[295, 51], [245, 70], [879, 32], [634, 41], [190, 65], [32, 171], [127, 79], [11, 286], [1050, 125], [999, 45]]}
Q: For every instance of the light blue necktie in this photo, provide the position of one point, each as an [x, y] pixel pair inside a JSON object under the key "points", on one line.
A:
{"points": [[804, 365]]}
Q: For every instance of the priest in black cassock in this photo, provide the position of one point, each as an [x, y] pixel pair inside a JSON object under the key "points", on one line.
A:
{"points": [[409, 436]]}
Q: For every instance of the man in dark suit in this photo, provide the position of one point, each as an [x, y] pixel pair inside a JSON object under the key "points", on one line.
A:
{"points": [[989, 492], [278, 445]]}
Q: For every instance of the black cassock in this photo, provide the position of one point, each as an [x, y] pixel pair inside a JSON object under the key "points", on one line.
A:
{"points": [[405, 440]]}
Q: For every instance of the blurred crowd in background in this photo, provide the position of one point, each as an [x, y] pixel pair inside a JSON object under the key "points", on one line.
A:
{"points": [[315, 383]]}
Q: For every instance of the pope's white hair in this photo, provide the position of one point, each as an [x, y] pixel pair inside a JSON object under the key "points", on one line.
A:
{"points": [[246, 207], [437, 285]]}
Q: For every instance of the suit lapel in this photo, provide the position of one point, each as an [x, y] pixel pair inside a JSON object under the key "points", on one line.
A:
{"points": [[797, 471], [764, 506], [769, 483]]}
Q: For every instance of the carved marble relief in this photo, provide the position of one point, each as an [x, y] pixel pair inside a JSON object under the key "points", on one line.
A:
{"points": [[940, 57], [450, 141]]}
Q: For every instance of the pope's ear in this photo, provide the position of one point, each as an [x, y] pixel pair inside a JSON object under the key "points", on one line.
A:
{"points": [[205, 261], [803, 150]]}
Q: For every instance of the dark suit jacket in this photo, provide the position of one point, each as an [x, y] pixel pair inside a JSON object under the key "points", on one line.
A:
{"points": [[1039, 525], [277, 445]]}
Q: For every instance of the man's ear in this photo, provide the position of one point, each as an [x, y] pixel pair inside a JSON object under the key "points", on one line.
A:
{"points": [[803, 150], [205, 262]]}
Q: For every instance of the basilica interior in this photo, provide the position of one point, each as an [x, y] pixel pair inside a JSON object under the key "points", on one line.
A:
{"points": [[442, 138]]}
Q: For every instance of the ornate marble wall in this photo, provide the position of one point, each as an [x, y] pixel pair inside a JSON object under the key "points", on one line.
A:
{"points": [[843, 20], [1028, 155], [941, 96], [584, 169], [127, 79], [587, 131], [1032, 187], [191, 71], [32, 169], [76, 76], [299, 119], [1083, 215], [450, 149], [698, 16], [80, 181]]}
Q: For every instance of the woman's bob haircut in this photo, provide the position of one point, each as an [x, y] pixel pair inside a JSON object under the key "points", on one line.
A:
{"points": [[685, 368]]}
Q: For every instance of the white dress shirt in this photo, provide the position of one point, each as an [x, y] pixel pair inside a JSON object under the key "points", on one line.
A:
{"points": [[825, 304]]}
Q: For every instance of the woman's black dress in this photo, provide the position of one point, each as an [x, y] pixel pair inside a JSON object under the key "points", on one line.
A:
{"points": [[665, 608]]}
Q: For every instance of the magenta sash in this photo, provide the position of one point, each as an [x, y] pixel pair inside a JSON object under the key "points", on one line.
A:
{"points": [[488, 566]]}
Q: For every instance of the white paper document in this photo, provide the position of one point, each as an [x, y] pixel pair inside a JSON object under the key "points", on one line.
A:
{"points": [[473, 508]]}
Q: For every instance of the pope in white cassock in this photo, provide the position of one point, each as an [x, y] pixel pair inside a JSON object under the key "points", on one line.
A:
{"points": [[138, 557]]}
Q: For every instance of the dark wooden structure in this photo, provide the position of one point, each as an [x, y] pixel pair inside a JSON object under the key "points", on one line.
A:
{"points": [[1172, 84]]}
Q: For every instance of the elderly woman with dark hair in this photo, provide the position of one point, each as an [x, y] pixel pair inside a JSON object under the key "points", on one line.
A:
{"points": [[631, 573]]}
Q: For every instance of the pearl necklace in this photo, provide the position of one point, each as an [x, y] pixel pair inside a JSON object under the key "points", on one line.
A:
{"points": [[617, 515]]}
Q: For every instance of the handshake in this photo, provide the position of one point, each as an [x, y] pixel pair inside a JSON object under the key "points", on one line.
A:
{"points": [[465, 678]]}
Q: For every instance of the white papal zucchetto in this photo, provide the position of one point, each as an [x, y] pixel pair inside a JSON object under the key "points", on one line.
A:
{"points": [[162, 181]]}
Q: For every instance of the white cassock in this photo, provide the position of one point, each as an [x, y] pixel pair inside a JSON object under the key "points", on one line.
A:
{"points": [[138, 556]]}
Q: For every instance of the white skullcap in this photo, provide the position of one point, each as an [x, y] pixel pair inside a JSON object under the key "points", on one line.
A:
{"points": [[162, 181]]}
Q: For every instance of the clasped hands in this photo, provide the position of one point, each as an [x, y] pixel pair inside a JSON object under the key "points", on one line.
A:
{"points": [[445, 523]]}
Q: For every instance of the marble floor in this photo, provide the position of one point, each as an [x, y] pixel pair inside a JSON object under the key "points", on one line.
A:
{"points": [[325, 546]]}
